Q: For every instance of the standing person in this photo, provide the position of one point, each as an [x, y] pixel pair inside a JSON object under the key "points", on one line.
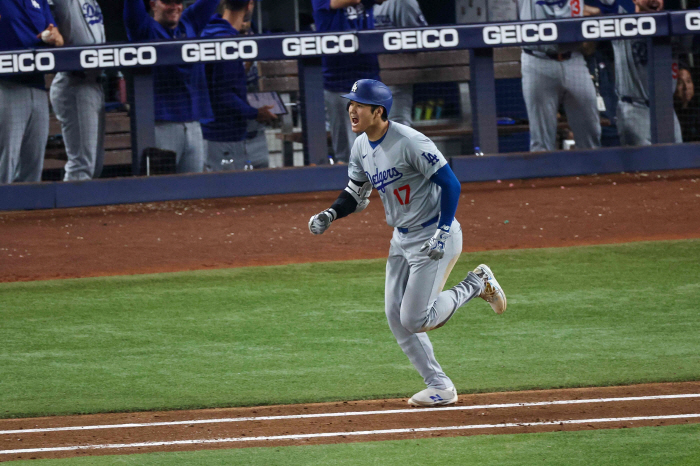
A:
{"points": [[400, 14], [687, 106], [180, 92], [77, 97], [339, 72], [631, 76], [419, 191], [554, 74], [227, 80], [24, 104]]}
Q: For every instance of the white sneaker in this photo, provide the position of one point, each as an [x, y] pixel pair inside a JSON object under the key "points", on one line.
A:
{"points": [[493, 293], [434, 397]]}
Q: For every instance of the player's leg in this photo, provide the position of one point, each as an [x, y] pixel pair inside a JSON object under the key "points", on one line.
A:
{"points": [[256, 149], [170, 136], [633, 124], [416, 346], [580, 103], [192, 160], [99, 135], [222, 156], [402, 106], [542, 85], [36, 133], [677, 133], [341, 129], [14, 102]]}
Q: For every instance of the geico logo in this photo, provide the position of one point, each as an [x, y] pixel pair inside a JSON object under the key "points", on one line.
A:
{"points": [[426, 39], [215, 51], [126, 56], [692, 21], [625, 27], [520, 33], [27, 62], [317, 45]]}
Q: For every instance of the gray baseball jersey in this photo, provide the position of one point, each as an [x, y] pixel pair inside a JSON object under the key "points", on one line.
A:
{"points": [[80, 21], [400, 168], [550, 9], [398, 14]]}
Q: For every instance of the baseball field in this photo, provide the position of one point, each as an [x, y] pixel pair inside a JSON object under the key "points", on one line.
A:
{"points": [[223, 332]]}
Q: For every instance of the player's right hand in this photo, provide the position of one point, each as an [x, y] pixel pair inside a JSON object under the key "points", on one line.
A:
{"points": [[435, 246], [320, 222], [265, 115]]}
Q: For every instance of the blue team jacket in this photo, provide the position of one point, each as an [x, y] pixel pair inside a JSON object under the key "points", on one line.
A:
{"points": [[341, 72], [180, 90], [227, 91], [20, 22]]}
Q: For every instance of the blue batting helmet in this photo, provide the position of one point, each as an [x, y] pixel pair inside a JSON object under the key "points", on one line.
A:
{"points": [[371, 92]]}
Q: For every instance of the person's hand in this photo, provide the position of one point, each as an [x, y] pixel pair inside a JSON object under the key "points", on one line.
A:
{"points": [[320, 222], [265, 115], [436, 245], [51, 36]]}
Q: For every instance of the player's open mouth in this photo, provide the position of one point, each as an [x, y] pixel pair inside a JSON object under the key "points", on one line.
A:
{"points": [[354, 121]]}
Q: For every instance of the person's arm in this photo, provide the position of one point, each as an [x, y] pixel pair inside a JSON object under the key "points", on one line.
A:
{"points": [[410, 15], [354, 198], [449, 198], [137, 21], [199, 14]]}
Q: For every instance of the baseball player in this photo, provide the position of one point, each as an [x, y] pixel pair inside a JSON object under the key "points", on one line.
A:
{"points": [[631, 57], [400, 14], [339, 72], [181, 96], [554, 74], [227, 80], [24, 104], [77, 97], [420, 194]]}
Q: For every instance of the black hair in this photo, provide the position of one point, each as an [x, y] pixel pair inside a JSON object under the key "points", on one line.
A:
{"points": [[235, 5], [385, 117]]}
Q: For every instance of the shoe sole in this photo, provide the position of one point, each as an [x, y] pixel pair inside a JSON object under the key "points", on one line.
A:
{"points": [[488, 271]]}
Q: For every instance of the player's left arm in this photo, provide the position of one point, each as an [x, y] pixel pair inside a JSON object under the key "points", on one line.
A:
{"points": [[449, 198], [200, 13]]}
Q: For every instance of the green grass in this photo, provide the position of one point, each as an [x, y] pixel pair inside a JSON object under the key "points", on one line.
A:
{"points": [[652, 446], [586, 316]]}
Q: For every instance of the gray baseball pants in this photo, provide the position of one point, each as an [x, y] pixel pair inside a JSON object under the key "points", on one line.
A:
{"points": [[185, 139], [223, 156], [634, 124], [402, 106], [79, 104], [24, 130], [256, 147], [415, 302], [341, 130], [546, 84]]}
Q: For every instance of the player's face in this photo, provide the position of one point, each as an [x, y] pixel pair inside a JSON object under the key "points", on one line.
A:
{"points": [[362, 117], [649, 5], [685, 89], [167, 12]]}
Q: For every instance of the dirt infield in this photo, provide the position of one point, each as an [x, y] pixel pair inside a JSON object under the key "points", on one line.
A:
{"points": [[329, 423], [263, 230], [205, 234]]}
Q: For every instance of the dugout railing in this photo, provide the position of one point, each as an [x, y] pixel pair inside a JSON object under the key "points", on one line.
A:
{"points": [[479, 40]]}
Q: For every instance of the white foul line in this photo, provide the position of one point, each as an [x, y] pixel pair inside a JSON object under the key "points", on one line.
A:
{"points": [[345, 414], [342, 434]]}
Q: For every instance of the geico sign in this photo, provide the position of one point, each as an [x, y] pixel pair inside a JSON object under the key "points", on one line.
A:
{"points": [[692, 21], [625, 27], [127, 56], [425, 39], [520, 33], [317, 45], [214, 51], [27, 62]]}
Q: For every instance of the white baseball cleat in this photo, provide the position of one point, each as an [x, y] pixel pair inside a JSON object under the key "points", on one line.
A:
{"points": [[434, 397], [493, 293]]}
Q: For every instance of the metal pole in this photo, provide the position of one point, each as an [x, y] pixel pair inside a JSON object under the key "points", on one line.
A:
{"points": [[142, 117], [313, 113], [260, 17], [661, 113], [483, 97]]}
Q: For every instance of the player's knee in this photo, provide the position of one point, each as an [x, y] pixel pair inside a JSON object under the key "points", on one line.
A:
{"points": [[413, 323]]}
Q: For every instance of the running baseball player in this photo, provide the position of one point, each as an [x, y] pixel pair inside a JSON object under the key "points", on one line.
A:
{"points": [[420, 194], [554, 74], [400, 14], [24, 103], [631, 58], [77, 97]]}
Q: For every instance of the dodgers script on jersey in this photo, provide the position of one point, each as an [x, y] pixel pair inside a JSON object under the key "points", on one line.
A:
{"points": [[550, 9], [400, 168]]}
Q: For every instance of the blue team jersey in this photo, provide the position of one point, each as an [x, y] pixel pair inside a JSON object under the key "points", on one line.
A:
{"points": [[227, 82], [21, 21], [339, 73], [180, 90]]}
